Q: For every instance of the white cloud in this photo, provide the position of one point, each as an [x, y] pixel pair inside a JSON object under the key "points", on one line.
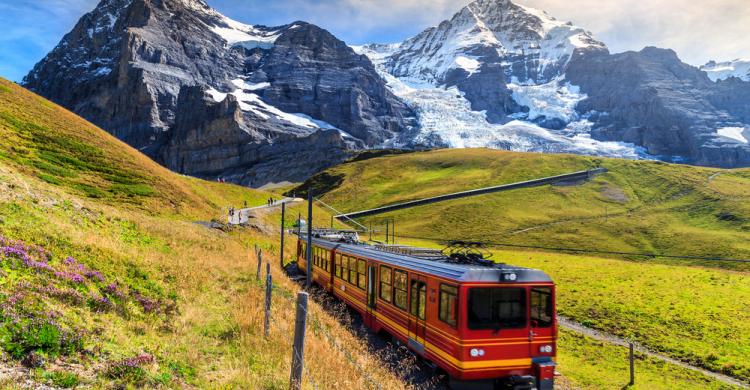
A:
{"points": [[697, 30]]}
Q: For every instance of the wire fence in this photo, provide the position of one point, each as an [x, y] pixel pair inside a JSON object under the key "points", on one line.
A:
{"points": [[584, 250], [318, 328]]}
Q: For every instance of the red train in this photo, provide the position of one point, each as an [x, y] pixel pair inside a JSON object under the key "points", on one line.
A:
{"points": [[486, 325]]}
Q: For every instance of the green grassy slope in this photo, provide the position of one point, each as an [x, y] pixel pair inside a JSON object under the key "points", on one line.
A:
{"points": [[696, 314], [638, 206], [106, 277], [182, 304]]}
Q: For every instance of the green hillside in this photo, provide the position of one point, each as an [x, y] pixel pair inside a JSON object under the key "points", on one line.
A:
{"points": [[638, 206], [106, 280], [684, 309]]}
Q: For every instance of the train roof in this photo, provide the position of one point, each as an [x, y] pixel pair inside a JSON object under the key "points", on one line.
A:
{"points": [[438, 267]]}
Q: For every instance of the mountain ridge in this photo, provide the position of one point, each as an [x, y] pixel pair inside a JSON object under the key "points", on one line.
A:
{"points": [[555, 108], [294, 96], [155, 51]]}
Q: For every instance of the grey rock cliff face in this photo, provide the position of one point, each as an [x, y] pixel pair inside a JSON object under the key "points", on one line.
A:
{"points": [[652, 99], [514, 63], [211, 97]]}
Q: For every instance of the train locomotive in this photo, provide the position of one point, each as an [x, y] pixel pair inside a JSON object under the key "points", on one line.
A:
{"points": [[487, 325]]}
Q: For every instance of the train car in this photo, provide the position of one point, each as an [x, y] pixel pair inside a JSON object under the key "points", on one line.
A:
{"points": [[486, 325]]}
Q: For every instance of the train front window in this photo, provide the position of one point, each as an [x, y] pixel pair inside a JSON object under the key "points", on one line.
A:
{"points": [[541, 307], [497, 308]]}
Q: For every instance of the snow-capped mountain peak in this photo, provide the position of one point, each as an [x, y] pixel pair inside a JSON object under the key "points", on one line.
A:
{"points": [[531, 44], [739, 68]]}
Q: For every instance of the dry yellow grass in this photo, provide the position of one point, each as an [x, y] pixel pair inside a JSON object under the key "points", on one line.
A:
{"points": [[215, 338]]}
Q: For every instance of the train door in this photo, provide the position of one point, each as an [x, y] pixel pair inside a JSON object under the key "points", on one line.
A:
{"points": [[371, 295], [417, 312]]}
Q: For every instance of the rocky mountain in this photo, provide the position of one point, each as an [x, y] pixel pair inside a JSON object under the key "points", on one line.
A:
{"points": [[211, 97], [739, 68], [504, 75]]}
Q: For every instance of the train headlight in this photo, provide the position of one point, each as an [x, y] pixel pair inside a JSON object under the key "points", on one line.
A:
{"points": [[509, 277], [545, 349], [475, 352]]}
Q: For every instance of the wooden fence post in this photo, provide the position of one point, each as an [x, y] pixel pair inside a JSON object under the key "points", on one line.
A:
{"points": [[269, 288], [308, 260], [632, 365], [281, 257], [260, 260], [298, 349]]}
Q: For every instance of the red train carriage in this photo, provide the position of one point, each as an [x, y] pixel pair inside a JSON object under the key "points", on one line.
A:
{"points": [[485, 325]]}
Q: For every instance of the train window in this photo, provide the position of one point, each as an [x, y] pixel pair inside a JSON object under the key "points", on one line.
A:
{"points": [[386, 291], [362, 270], [338, 265], [448, 304], [418, 298], [497, 308], [399, 289], [344, 267], [541, 307], [353, 271]]}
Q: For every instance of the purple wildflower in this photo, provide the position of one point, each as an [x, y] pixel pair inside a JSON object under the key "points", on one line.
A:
{"points": [[149, 305], [70, 276], [94, 275]]}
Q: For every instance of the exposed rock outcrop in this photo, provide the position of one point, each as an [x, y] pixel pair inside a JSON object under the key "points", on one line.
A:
{"points": [[211, 97]]}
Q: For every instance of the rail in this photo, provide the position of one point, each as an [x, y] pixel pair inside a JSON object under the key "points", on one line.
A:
{"points": [[569, 177]]}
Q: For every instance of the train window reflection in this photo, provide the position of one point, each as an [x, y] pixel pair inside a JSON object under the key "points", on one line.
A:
{"points": [[497, 308]]}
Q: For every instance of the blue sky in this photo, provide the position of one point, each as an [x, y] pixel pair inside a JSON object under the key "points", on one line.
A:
{"points": [[697, 30]]}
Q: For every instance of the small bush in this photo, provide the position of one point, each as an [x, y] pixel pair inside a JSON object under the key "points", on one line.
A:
{"points": [[63, 379], [49, 179], [130, 370], [91, 192], [132, 190]]}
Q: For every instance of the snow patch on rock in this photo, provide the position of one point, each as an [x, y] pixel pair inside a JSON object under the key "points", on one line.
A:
{"points": [[239, 34], [740, 134], [251, 102], [739, 68], [553, 100]]}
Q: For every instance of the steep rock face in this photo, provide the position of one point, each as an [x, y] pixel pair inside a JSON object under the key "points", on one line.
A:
{"points": [[652, 99], [312, 72], [151, 71]]}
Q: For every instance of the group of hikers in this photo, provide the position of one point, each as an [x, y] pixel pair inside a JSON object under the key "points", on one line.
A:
{"points": [[269, 202]]}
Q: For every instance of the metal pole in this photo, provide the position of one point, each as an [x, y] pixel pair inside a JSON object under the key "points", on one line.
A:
{"points": [[260, 260], [393, 231], [298, 348], [632, 365], [309, 237], [370, 231], [281, 256], [269, 288], [331, 222], [387, 233]]}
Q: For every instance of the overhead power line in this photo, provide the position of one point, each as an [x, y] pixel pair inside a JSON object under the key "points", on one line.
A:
{"points": [[593, 251]]}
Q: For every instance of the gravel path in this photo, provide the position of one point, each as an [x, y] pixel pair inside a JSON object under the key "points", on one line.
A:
{"points": [[241, 216]]}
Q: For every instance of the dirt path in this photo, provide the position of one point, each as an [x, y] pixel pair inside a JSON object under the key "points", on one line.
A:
{"points": [[241, 216], [609, 338]]}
